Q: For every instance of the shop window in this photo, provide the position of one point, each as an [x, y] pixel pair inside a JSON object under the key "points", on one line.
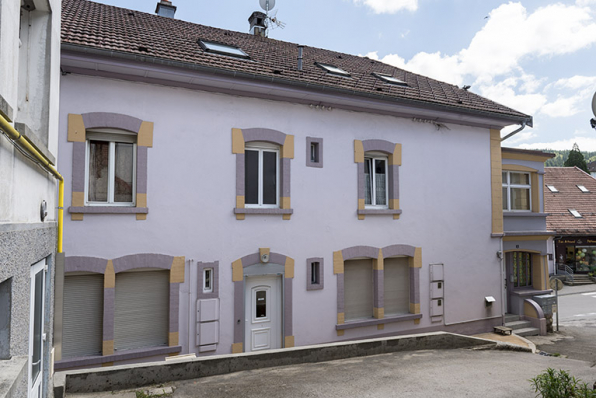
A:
{"points": [[516, 191], [522, 269]]}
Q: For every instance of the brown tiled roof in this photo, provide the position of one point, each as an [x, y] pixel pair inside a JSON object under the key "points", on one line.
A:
{"points": [[557, 205], [105, 27]]}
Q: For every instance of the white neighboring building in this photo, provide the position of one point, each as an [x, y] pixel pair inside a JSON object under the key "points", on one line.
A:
{"points": [[29, 91]]}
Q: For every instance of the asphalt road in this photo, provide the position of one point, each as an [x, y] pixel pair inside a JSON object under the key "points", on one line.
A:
{"points": [[576, 338]]}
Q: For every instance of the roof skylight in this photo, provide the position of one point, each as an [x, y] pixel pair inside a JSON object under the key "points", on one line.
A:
{"points": [[390, 79], [223, 49], [552, 188], [582, 188], [575, 213], [334, 70]]}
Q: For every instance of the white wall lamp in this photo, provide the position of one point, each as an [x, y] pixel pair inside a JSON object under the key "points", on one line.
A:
{"points": [[488, 301]]}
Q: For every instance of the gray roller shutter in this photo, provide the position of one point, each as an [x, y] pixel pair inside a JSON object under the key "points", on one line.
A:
{"points": [[396, 285], [82, 325], [141, 315], [358, 289]]}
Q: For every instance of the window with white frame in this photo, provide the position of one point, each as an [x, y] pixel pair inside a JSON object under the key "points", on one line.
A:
{"points": [[375, 181], [110, 168], [261, 178], [207, 280], [516, 191]]}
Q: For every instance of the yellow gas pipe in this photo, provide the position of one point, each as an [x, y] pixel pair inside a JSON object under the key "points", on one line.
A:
{"points": [[23, 143]]}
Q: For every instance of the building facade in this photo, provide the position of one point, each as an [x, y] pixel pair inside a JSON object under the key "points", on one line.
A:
{"points": [[29, 83], [233, 193]]}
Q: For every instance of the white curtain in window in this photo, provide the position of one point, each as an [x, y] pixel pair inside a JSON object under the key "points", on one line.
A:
{"points": [[358, 289], [381, 189]]}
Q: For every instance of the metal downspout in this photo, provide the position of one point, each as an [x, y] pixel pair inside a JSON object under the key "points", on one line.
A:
{"points": [[523, 126], [18, 138]]}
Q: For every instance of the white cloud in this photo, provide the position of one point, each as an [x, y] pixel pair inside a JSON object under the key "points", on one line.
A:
{"points": [[581, 89], [585, 3], [389, 6], [504, 93], [509, 36], [584, 143]]}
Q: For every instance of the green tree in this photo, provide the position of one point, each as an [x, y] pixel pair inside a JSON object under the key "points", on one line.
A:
{"points": [[576, 159]]}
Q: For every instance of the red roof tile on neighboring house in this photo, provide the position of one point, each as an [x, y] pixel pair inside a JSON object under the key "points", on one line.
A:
{"points": [[104, 27], [557, 205]]}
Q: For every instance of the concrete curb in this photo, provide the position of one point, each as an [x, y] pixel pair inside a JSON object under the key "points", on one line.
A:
{"points": [[139, 375]]}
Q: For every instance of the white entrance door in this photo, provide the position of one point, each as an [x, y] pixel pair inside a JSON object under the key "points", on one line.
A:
{"points": [[36, 330], [262, 313]]}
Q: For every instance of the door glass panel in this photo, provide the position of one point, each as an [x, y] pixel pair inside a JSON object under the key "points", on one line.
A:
{"points": [[261, 304], [37, 326], [123, 177], [98, 171], [269, 178], [251, 177]]}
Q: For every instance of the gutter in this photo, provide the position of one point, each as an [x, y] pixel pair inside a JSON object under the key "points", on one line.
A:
{"points": [[17, 138], [65, 47], [523, 126]]}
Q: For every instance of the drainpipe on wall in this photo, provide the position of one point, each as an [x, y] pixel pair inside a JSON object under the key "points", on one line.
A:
{"points": [[22, 144], [523, 126]]}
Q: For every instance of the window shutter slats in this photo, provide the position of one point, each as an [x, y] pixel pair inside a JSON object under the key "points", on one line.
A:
{"points": [[396, 291], [358, 289], [141, 316], [82, 327]]}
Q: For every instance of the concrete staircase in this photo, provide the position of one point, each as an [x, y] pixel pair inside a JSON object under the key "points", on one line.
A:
{"points": [[580, 279], [521, 328]]}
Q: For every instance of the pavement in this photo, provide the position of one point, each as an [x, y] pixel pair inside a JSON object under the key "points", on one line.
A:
{"points": [[426, 373], [567, 290]]}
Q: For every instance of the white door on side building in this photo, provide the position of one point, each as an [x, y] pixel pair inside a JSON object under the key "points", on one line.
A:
{"points": [[36, 328], [262, 313]]}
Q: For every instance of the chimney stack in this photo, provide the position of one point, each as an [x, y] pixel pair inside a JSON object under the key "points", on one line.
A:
{"points": [[258, 24], [165, 9]]}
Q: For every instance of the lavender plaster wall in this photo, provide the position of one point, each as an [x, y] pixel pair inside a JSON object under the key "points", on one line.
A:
{"points": [[193, 216]]}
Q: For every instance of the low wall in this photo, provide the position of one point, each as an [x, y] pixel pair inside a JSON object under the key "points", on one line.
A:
{"points": [[138, 375]]}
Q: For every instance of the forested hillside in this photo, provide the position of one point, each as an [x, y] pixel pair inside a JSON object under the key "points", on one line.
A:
{"points": [[561, 157]]}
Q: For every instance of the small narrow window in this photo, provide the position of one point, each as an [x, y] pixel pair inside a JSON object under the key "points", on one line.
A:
{"points": [[583, 189], [552, 188], [314, 272], [207, 280], [575, 213], [375, 175], [314, 152]]}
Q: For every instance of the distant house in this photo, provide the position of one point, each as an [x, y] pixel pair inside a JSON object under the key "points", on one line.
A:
{"points": [[29, 87], [234, 193], [570, 200], [592, 168]]}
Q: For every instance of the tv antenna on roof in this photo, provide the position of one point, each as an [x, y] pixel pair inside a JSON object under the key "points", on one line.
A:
{"points": [[268, 5]]}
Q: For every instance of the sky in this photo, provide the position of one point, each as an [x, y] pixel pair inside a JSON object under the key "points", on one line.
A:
{"points": [[536, 56]]}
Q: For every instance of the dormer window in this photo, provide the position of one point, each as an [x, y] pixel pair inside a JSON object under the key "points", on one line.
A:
{"points": [[334, 70], [390, 79], [552, 188], [222, 49], [583, 189]]}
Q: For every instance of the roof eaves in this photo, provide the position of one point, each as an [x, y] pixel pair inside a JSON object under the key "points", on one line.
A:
{"points": [[280, 80]]}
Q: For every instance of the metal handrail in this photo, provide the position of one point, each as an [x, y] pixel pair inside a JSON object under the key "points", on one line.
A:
{"points": [[567, 270]]}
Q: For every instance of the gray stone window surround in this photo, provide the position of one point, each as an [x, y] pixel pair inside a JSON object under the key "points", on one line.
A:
{"points": [[393, 152], [123, 264], [238, 267], [201, 266], [77, 125], [373, 253], [286, 143], [309, 284], [319, 142]]}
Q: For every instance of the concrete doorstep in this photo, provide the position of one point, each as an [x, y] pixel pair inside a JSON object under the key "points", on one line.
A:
{"points": [[126, 377]]}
